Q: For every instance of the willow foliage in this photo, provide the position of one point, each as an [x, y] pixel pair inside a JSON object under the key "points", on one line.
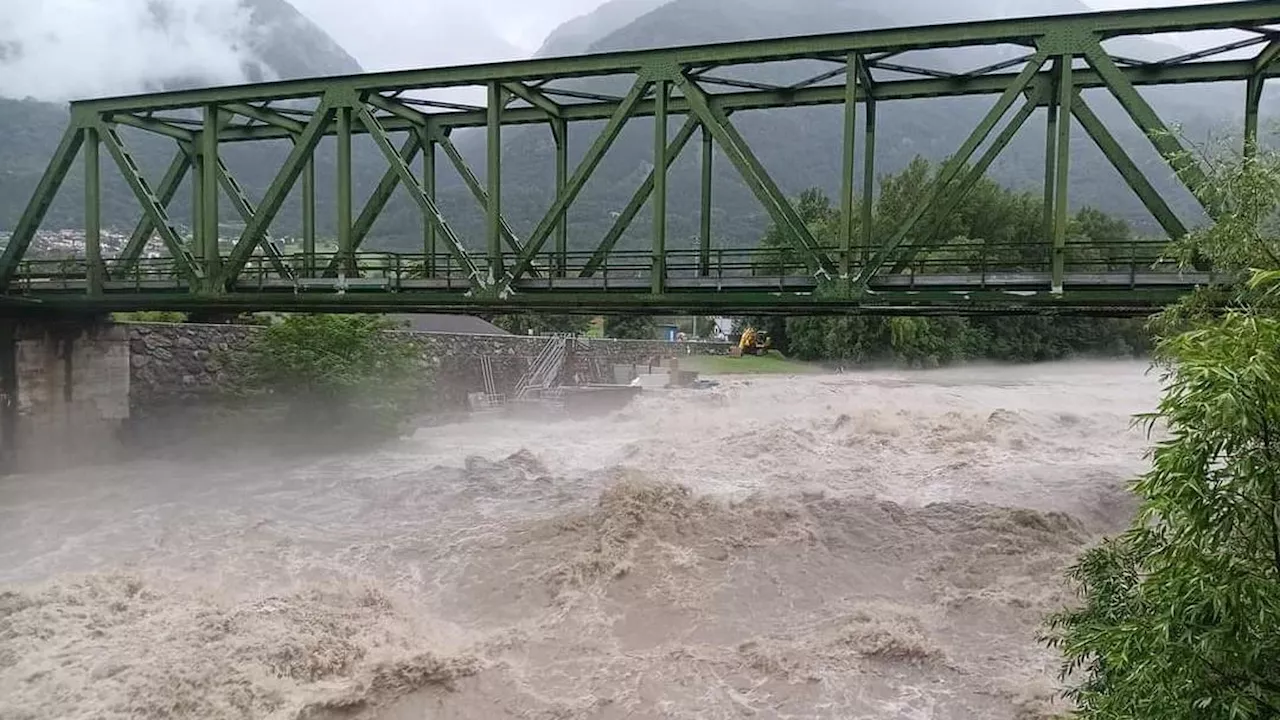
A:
{"points": [[1180, 615]]}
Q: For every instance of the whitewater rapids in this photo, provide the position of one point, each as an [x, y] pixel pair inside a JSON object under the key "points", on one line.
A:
{"points": [[861, 545]]}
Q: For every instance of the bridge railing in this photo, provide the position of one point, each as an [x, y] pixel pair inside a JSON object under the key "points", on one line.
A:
{"points": [[976, 260]]}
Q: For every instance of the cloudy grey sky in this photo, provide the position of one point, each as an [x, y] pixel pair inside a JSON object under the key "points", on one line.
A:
{"points": [[86, 48], [386, 34], [403, 33]]}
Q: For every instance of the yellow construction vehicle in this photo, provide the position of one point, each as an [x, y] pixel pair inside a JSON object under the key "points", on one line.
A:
{"points": [[752, 342]]}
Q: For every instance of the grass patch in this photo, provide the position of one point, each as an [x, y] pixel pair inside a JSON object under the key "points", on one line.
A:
{"points": [[772, 363]]}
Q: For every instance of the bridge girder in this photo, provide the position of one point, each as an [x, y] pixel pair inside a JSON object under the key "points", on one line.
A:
{"points": [[502, 270]]}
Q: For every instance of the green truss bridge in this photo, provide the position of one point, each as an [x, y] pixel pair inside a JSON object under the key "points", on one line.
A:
{"points": [[692, 93]]}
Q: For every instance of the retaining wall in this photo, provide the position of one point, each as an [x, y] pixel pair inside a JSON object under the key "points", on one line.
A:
{"points": [[84, 392], [181, 362]]}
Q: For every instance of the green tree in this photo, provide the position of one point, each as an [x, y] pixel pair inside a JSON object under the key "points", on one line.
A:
{"points": [[630, 327], [542, 324], [992, 228], [349, 375], [778, 254], [1179, 615]]}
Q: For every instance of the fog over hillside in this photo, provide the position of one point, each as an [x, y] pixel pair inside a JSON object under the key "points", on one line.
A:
{"points": [[57, 50]]}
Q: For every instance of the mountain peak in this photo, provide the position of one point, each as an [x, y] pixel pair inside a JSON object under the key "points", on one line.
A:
{"points": [[64, 49], [578, 34]]}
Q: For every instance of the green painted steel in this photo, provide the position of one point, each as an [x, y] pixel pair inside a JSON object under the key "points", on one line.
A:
{"points": [[493, 174], [704, 229], [900, 271], [211, 179], [601, 255], [346, 243], [1062, 166], [560, 135], [92, 212], [852, 64], [658, 271], [868, 178], [309, 220], [428, 189]]}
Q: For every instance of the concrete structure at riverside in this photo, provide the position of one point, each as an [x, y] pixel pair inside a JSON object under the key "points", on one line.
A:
{"points": [[78, 387]]}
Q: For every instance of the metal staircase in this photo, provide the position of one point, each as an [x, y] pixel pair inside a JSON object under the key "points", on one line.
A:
{"points": [[544, 371]]}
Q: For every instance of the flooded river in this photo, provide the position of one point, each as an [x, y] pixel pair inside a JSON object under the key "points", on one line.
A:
{"points": [[862, 545]]}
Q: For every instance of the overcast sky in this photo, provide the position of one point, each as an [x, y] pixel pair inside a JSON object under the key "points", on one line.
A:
{"points": [[86, 48], [387, 34]]}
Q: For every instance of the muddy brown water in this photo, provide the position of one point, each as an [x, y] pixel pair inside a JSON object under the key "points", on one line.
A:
{"points": [[861, 545]]}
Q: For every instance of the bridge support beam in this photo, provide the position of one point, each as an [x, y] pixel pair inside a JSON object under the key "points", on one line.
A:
{"points": [[757, 179], [92, 211], [951, 168], [868, 177], [560, 135], [493, 203], [145, 229], [1128, 169], [1252, 99], [1062, 166], [658, 268], [848, 139], [637, 201], [346, 240], [382, 194], [309, 219], [585, 168], [477, 189], [428, 189], [428, 206], [958, 191], [1184, 165], [704, 231], [209, 164]]}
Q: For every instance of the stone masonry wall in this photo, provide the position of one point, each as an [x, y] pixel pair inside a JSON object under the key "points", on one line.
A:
{"points": [[83, 392], [174, 363], [72, 386]]}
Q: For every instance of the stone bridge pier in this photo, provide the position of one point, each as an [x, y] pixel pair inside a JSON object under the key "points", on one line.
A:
{"points": [[64, 391]]}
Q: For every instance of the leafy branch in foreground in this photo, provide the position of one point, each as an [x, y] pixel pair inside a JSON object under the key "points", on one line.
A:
{"points": [[1180, 615], [345, 373]]}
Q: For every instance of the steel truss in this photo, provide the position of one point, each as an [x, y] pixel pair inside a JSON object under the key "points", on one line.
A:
{"points": [[896, 273]]}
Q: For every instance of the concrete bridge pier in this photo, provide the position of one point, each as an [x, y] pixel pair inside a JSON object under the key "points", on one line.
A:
{"points": [[64, 391]]}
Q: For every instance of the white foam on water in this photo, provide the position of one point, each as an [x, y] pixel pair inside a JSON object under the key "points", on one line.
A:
{"points": [[878, 544]]}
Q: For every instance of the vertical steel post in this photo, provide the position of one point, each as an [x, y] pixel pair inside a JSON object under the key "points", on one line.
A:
{"points": [[1066, 91], [429, 188], [346, 249], [197, 199], [209, 190], [494, 178], [1050, 167], [868, 177], [560, 133], [848, 137], [93, 210], [1252, 98], [704, 237], [658, 277], [309, 264]]}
